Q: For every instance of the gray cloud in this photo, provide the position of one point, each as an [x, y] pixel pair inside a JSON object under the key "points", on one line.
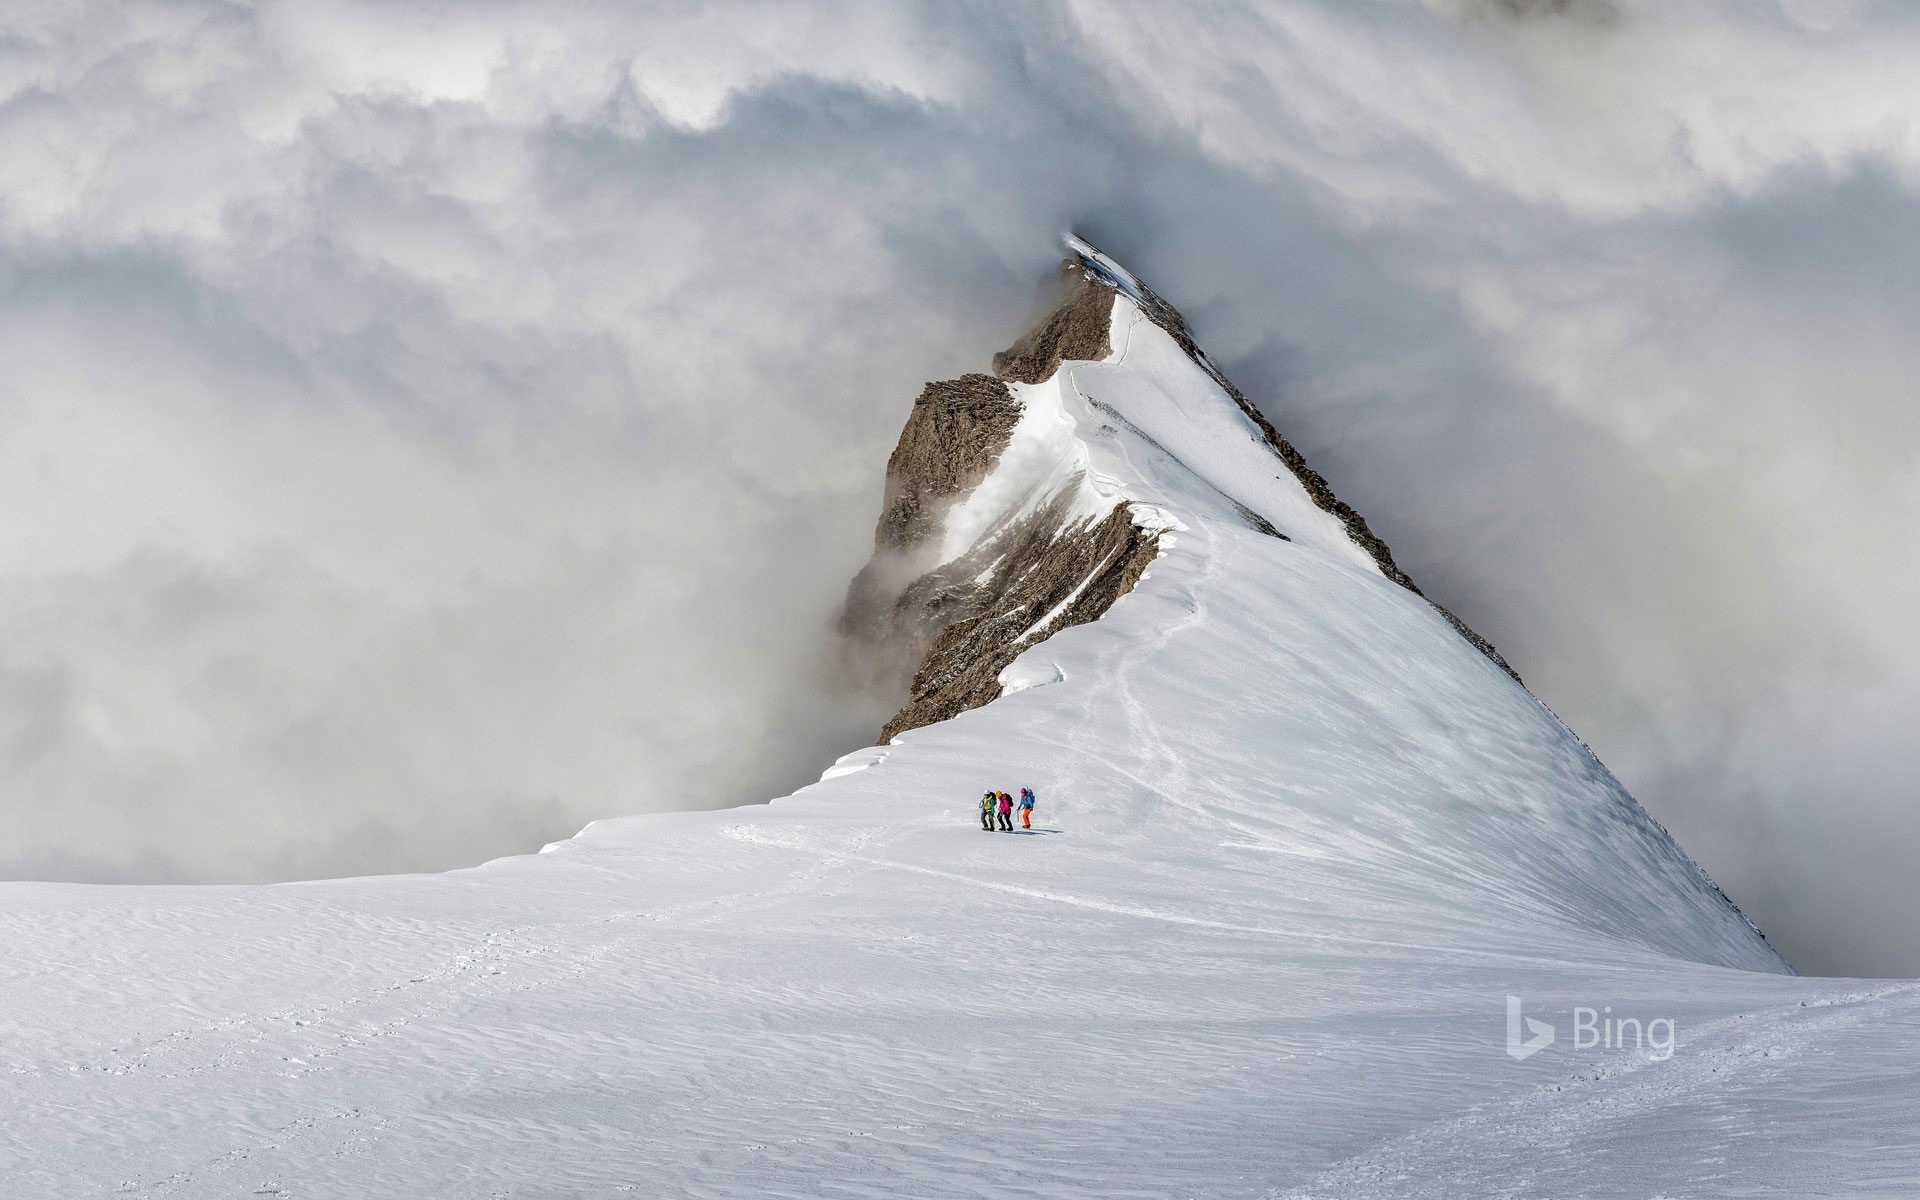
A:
{"points": [[1587, 12], [427, 431]]}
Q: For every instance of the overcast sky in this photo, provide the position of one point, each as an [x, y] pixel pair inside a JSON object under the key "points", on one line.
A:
{"points": [[424, 429]]}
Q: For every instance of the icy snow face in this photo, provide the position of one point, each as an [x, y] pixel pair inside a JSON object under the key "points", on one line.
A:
{"points": [[1209, 451], [1044, 460], [1146, 302]]}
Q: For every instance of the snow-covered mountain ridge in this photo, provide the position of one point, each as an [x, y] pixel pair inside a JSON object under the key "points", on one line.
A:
{"points": [[1301, 851], [1112, 434], [1044, 545]]}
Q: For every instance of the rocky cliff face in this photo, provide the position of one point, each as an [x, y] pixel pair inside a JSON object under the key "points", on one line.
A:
{"points": [[959, 619], [955, 616], [1079, 326]]}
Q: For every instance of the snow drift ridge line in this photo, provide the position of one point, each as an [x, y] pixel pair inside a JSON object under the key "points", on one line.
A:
{"points": [[1110, 273]]}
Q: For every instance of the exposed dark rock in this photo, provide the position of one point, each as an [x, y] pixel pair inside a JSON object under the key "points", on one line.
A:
{"points": [[1258, 523], [953, 438], [1080, 326], [1042, 575], [959, 624]]}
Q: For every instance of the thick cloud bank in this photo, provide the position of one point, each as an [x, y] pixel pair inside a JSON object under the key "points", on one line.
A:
{"points": [[424, 429]]}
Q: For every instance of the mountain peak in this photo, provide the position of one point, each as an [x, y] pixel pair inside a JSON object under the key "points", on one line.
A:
{"points": [[998, 531]]}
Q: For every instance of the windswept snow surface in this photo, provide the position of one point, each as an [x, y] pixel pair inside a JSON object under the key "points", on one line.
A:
{"points": [[1297, 844]]}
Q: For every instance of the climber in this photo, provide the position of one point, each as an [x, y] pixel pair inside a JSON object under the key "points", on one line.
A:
{"points": [[986, 811], [1006, 813], [1026, 808]]}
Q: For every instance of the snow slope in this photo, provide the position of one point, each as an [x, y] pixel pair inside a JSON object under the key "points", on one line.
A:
{"points": [[1298, 843]]}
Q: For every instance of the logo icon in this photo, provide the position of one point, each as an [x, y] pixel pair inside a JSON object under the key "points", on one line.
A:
{"points": [[1542, 1033]]}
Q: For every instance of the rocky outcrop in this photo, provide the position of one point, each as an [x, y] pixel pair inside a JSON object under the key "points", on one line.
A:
{"points": [[957, 624], [1080, 326], [952, 439], [1042, 575]]}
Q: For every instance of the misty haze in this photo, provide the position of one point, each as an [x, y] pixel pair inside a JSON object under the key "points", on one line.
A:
{"points": [[429, 434]]}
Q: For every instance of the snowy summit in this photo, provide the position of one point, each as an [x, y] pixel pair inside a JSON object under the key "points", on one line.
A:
{"points": [[1317, 900]]}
